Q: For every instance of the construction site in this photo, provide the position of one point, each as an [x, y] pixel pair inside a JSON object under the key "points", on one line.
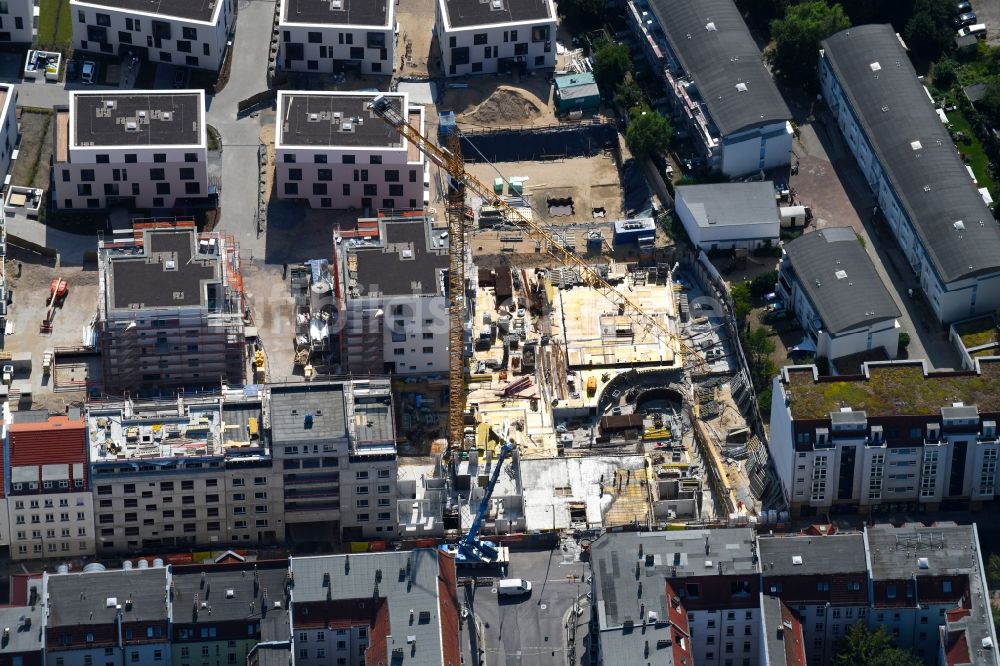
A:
{"points": [[597, 393]]}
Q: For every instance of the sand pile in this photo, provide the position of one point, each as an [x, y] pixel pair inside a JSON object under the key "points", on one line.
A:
{"points": [[506, 106]]}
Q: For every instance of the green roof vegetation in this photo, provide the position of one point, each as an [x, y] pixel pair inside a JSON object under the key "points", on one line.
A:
{"points": [[977, 332], [894, 390]]}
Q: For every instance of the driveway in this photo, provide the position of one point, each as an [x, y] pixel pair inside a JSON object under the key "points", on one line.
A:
{"points": [[830, 182]]}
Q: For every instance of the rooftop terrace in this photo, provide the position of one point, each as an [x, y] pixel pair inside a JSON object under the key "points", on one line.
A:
{"points": [[336, 12], [897, 389], [137, 119]]}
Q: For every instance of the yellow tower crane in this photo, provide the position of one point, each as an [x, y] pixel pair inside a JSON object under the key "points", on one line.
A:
{"points": [[450, 159]]}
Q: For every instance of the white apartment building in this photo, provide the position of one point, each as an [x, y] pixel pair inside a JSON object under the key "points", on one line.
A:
{"points": [[333, 152], [141, 149], [335, 444], [893, 447], [921, 185], [183, 473], [191, 33], [828, 280], [49, 507], [327, 37], [18, 21], [723, 97], [8, 127], [392, 297], [495, 35]]}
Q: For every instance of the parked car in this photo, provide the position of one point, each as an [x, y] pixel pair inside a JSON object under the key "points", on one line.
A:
{"points": [[964, 19], [963, 7], [977, 29], [89, 72]]}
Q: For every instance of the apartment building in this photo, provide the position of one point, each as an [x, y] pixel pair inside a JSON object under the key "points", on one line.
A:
{"points": [[49, 507], [100, 617], [9, 134], [728, 216], [695, 595], [498, 36], [138, 149], [170, 308], [893, 438], [391, 287], [183, 473], [222, 611], [335, 444], [18, 21], [783, 643], [333, 152], [191, 33], [822, 577], [22, 645], [828, 280], [723, 97], [337, 36], [375, 608], [922, 187]]}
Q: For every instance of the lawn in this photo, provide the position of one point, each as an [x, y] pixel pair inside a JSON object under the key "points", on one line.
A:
{"points": [[973, 152], [55, 24], [981, 331]]}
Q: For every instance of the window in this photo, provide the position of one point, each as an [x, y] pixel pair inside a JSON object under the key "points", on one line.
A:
{"points": [[157, 174], [189, 33], [289, 158], [192, 188], [375, 159], [87, 175], [324, 174], [319, 189], [370, 190], [187, 173], [480, 38], [295, 174], [183, 46], [291, 189], [163, 188]]}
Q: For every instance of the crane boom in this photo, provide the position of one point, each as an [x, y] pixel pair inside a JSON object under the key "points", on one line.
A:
{"points": [[471, 546], [453, 163]]}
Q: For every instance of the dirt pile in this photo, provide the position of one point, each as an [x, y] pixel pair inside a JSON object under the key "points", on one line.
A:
{"points": [[506, 106]]}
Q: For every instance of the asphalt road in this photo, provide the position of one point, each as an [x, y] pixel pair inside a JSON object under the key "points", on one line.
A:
{"points": [[531, 630]]}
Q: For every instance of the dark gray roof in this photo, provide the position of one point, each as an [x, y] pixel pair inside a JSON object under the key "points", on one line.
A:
{"points": [[916, 152], [247, 585], [325, 12], [407, 581], [81, 598], [677, 554], [821, 555], [723, 204], [145, 279], [137, 119], [306, 119], [469, 13], [716, 60], [290, 403], [840, 280], [403, 264], [25, 624], [196, 10], [779, 640]]}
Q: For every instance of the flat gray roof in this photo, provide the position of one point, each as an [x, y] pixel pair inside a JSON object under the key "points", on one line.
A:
{"points": [[324, 403], [719, 57], [196, 10], [784, 644], [319, 120], [168, 273], [725, 204], [229, 593], [408, 581], [405, 263], [136, 119], [337, 12], [469, 13], [896, 551], [820, 555], [25, 624], [948, 214], [840, 279], [89, 598]]}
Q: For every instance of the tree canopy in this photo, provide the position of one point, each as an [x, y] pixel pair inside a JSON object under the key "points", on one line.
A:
{"points": [[648, 132], [990, 102], [611, 63], [582, 15], [628, 94], [928, 32], [797, 37], [861, 647]]}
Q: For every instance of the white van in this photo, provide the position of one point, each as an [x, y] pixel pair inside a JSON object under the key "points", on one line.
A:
{"points": [[513, 586], [977, 29]]}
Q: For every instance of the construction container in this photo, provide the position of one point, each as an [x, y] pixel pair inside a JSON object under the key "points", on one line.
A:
{"points": [[515, 186], [498, 186]]}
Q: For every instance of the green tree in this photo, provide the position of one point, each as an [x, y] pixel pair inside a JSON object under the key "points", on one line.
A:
{"points": [[763, 284], [989, 105], [929, 31], [758, 346], [611, 63], [741, 302], [861, 647], [583, 15], [628, 94], [760, 13], [993, 571], [945, 74], [797, 37], [648, 132]]}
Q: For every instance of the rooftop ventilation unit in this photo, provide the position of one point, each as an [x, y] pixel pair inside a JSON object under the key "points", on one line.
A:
{"points": [[741, 87], [230, 594], [167, 115], [336, 4], [959, 225], [841, 275], [915, 145], [110, 103], [875, 67], [797, 560], [313, 117], [142, 114], [346, 127], [496, 4], [111, 602], [710, 26], [131, 126], [924, 563]]}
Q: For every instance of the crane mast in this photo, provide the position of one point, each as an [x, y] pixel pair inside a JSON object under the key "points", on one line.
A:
{"points": [[450, 159]]}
